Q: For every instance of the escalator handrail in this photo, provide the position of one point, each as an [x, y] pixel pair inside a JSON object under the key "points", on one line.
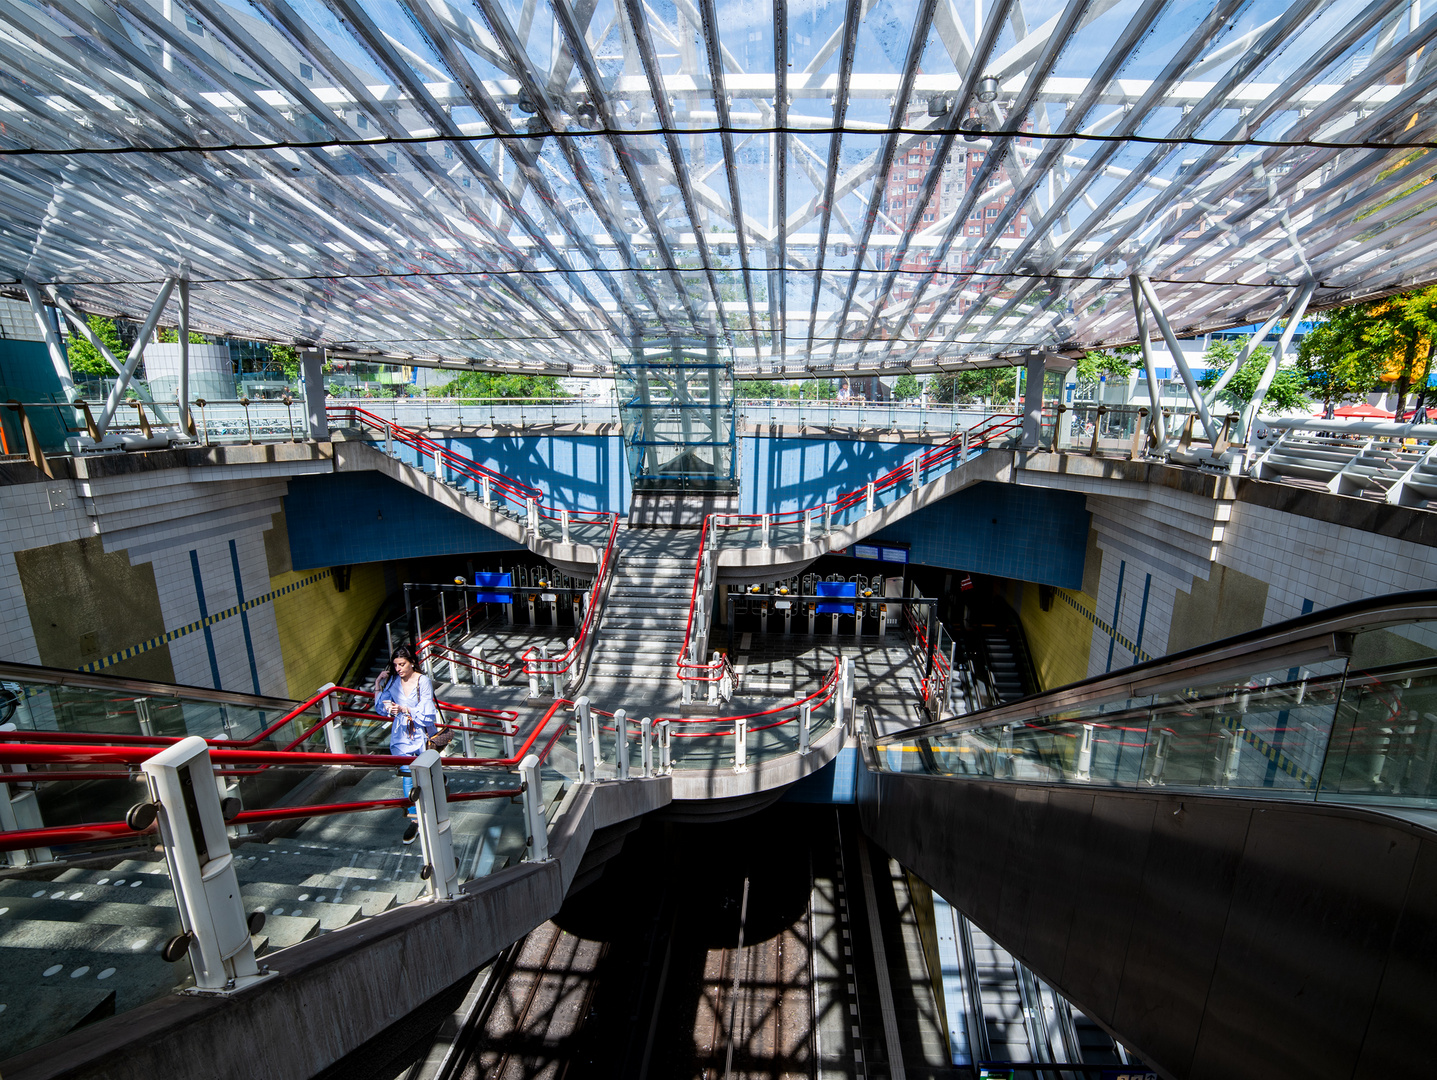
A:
{"points": [[1370, 613]]}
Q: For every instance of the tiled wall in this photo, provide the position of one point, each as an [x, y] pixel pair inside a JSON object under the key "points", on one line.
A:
{"points": [[319, 626], [581, 472], [195, 546], [1059, 639], [1180, 571], [1032, 534], [362, 517], [778, 474]]}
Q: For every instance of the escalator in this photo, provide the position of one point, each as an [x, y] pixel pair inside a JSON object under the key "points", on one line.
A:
{"points": [[1225, 858]]}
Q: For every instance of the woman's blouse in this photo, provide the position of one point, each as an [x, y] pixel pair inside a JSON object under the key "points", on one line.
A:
{"points": [[409, 733]]}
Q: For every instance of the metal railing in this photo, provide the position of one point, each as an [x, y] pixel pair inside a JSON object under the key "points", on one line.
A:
{"points": [[935, 461], [1340, 705]]}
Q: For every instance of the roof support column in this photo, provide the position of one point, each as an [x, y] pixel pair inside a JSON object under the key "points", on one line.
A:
{"points": [[137, 353], [1247, 351], [1178, 358], [187, 425], [52, 338], [82, 327], [1155, 413], [1033, 400], [311, 363], [1278, 354]]}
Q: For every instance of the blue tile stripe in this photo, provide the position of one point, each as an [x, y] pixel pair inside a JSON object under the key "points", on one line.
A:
{"points": [[1132, 646], [204, 618], [244, 616], [200, 624]]}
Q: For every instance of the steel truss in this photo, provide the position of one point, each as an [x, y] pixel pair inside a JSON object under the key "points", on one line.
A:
{"points": [[530, 185]]}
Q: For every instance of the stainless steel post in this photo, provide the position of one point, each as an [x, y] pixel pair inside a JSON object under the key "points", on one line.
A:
{"points": [[537, 840]]}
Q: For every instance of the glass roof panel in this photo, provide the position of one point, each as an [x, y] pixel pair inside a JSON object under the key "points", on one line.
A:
{"points": [[855, 186]]}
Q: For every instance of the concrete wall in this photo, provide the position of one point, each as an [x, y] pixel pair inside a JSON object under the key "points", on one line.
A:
{"points": [[1000, 529], [580, 470], [319, 627], [789, 472], [339, 519]]}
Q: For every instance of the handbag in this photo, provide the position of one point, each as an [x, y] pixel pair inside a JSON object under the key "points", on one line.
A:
{"points": [[439, 740]]}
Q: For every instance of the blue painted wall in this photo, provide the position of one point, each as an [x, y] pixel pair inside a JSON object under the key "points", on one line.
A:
{"points": [[342, 518], [580, 472], [26, 375], [1032, 534], [781, 474]]}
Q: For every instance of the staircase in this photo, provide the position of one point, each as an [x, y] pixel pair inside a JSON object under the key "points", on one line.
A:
{"points": [[642, 629], [79, 944]]}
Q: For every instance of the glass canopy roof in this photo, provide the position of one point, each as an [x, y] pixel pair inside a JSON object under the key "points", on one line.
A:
{"points": [[867, 185]]}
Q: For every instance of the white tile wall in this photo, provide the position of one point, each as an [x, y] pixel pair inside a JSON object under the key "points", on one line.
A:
{"points": [[159, 518]]}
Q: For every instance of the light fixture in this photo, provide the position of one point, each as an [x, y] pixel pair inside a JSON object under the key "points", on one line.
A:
{"points": [[987, 89], [972, 129]]}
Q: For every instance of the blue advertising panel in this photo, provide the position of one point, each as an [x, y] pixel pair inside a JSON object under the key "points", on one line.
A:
{"points": [[837, 588], [493, 581]]}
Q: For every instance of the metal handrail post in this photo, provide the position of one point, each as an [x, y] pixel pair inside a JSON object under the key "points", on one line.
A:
{"points": [[586, 746], [740, 744], [666, 758], [436, 834], [536, 829], [646, 739], [334, 727], [621, 742], [186, 803], [805, 726]]}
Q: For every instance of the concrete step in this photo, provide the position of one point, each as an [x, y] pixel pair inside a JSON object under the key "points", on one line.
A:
{"points": [[631, 671], [328, 905]]}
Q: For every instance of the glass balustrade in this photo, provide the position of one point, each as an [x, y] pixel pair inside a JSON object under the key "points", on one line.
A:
{"points": [[1347, 714]]}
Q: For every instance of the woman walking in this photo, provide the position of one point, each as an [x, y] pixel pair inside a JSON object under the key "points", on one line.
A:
{"points": [[408, 697]]}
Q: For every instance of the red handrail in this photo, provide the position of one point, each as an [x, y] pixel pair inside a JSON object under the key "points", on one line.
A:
{"points": [[113, 830], [556, 665], [988, 429], [518, 494]]}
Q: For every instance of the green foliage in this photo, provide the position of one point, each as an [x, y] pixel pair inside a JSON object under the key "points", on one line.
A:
{"points": [[759, 388], [1289, 385], [906, 387], [981, 384], [495, 384], [286, 357], [169, 335], [1403, 329], [85, 359], [1337, 358], [1117, 362]]}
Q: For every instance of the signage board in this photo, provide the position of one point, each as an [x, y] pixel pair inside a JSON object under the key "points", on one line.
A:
{"points": [[493, 581]]}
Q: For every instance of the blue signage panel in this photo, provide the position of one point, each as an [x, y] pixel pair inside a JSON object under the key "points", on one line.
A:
{"points": [[493, 581], [837, 588]]}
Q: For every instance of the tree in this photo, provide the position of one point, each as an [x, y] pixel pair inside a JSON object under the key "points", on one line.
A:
{"points": [[286, 357], [498, 384], [757, 388], [85, 359], [979, 384], [906, 387], [1338, 360], [1096, 363], [1403, 331], [1289, 385], [170, 335]]}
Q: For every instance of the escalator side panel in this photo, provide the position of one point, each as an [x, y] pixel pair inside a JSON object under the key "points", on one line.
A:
{"points": [[1404, 1000], [1022, 869], [1266, 919], [1204, 930], [1102, 918]]}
